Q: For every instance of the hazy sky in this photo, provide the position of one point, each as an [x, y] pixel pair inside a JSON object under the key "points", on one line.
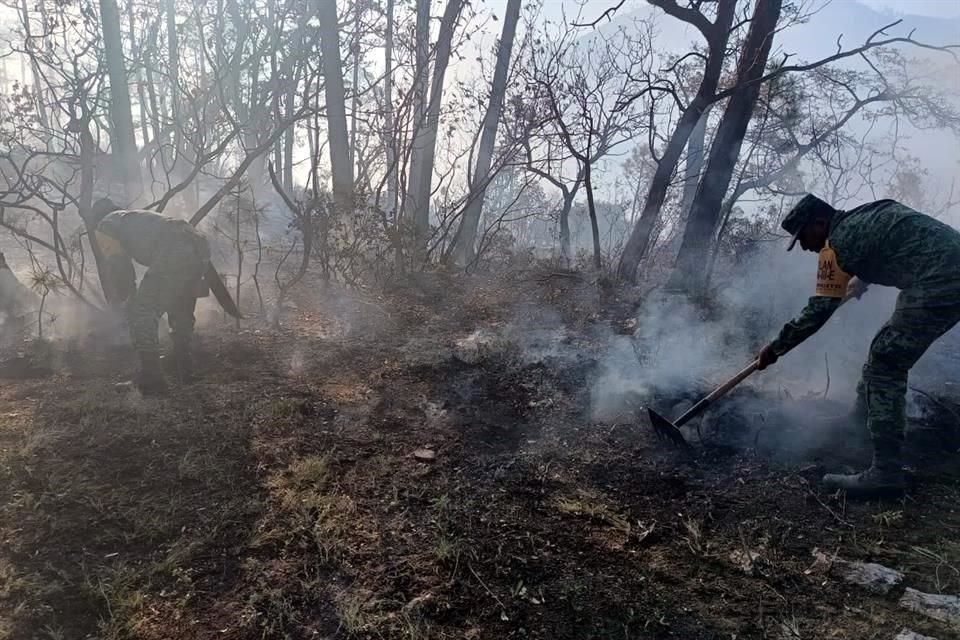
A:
{"points": [[940, 8]]}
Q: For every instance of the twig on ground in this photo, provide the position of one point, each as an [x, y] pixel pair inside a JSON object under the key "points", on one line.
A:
{"points": [[484, 585], [833, 513]]}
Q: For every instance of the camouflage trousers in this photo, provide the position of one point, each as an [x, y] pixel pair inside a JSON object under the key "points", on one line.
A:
{"points": [[898, 345], [171, 285]]}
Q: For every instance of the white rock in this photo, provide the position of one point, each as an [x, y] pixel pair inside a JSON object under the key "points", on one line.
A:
{"points": [[906, 634], [873, 577], [426, 455], [939, 607]]}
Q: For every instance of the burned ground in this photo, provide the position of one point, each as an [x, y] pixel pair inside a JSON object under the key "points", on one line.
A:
{"points": [[388, 472]]}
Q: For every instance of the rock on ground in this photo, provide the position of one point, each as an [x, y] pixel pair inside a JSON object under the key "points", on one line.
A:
{"points": [[873, 577], [939, 607], [907, 634]]}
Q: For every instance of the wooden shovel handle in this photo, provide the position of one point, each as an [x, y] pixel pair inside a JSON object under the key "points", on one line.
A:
{"points": [[719, 392]]}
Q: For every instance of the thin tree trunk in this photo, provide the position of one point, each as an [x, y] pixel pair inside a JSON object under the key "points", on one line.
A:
{"points": [[354, 98], [421, 168], [340, 165], [34, 67], [693, 168], [173, 65], [391, 134], [141, 96], [289, 139], [689, 273], [239, 248], [565, 228], [421, 85], [121, 118], [592, 211], [640, 237], [466, 237]]}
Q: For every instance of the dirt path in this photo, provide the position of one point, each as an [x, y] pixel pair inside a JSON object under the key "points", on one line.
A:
{"points": [[356, 484]]}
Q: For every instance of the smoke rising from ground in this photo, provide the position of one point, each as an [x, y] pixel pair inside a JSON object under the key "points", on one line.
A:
{"points": [[679, 351]]}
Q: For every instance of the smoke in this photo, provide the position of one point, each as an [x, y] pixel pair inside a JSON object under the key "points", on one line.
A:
{"points": [[679, 351]]}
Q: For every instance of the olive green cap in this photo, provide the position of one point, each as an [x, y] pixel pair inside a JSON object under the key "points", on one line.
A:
{"points": [[802, 213]]}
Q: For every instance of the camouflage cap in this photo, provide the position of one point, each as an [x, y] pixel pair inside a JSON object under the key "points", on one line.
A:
{"points": [[802, 213]]}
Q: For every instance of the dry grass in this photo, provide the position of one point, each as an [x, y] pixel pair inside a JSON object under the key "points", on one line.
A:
{"points": [[240, 510]]}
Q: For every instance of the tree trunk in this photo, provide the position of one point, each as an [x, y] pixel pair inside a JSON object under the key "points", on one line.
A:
{"points": [[421, 166], [355, 97], [592, 211], [121, 118], [640, 237], [565, 227], [391, 136], [466, 237], [689, 273], [173, 65], [141, 92], [421, 85], [38, 92], [693, 168], [336, 105]]}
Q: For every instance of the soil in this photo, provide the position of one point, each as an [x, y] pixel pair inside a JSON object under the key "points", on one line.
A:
{"points": [[363, 474]]}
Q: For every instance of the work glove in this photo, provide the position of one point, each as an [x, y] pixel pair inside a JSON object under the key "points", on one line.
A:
{"points": [[766, 357], [856, 288]]}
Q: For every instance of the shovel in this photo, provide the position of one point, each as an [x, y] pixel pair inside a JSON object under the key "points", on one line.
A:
{"points": [[671, 430]]}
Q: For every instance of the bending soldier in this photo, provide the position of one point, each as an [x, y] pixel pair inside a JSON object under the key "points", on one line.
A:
{"points": [[892, 245], [177, 258]]}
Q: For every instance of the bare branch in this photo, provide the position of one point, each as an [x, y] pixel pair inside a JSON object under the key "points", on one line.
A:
{"points": [[608, 14]]}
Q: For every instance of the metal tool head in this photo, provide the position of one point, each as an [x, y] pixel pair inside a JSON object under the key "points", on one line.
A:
{"points": [[667, 430]]}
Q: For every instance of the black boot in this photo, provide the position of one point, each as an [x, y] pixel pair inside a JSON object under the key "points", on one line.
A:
{"points": [[150, 380], [183, 361], [884, 477], [875, 481]]}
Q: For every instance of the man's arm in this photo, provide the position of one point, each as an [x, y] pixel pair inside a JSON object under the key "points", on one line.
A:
{"points": [[814, 315], [119, 268], [123, 278]]}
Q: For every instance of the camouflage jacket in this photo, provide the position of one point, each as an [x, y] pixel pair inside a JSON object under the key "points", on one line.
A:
{"points": [[888, 244], [140, 235]]}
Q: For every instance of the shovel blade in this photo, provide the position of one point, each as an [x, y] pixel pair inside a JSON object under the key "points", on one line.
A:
{"points": [[667, 429]]}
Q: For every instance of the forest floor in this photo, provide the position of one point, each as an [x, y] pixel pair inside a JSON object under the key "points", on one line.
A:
{"points": [[374, 470]]}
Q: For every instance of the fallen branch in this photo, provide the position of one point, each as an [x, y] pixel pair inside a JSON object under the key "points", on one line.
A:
{"points": [[484, 585]]}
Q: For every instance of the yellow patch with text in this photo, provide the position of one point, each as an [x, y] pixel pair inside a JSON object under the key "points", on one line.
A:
{"points": [[831, 279], [109, 246]]}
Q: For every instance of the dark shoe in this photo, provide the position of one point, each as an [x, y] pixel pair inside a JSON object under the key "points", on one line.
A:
{"points": [[183, 363], [874, 481], [150, 380], [150, 385]]}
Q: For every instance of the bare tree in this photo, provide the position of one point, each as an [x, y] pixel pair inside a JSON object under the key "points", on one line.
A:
{"points": [[716, 33], [340, 162], [121, 117], [465, 240], [425, 139], [703, 219], [580, 86]]}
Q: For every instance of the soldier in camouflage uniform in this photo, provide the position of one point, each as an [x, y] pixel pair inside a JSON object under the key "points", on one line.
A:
{"points": [[888, 244], [176, 257]]}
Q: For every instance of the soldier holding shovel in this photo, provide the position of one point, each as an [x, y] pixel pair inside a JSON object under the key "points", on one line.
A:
{"points": [[889, 244]]}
